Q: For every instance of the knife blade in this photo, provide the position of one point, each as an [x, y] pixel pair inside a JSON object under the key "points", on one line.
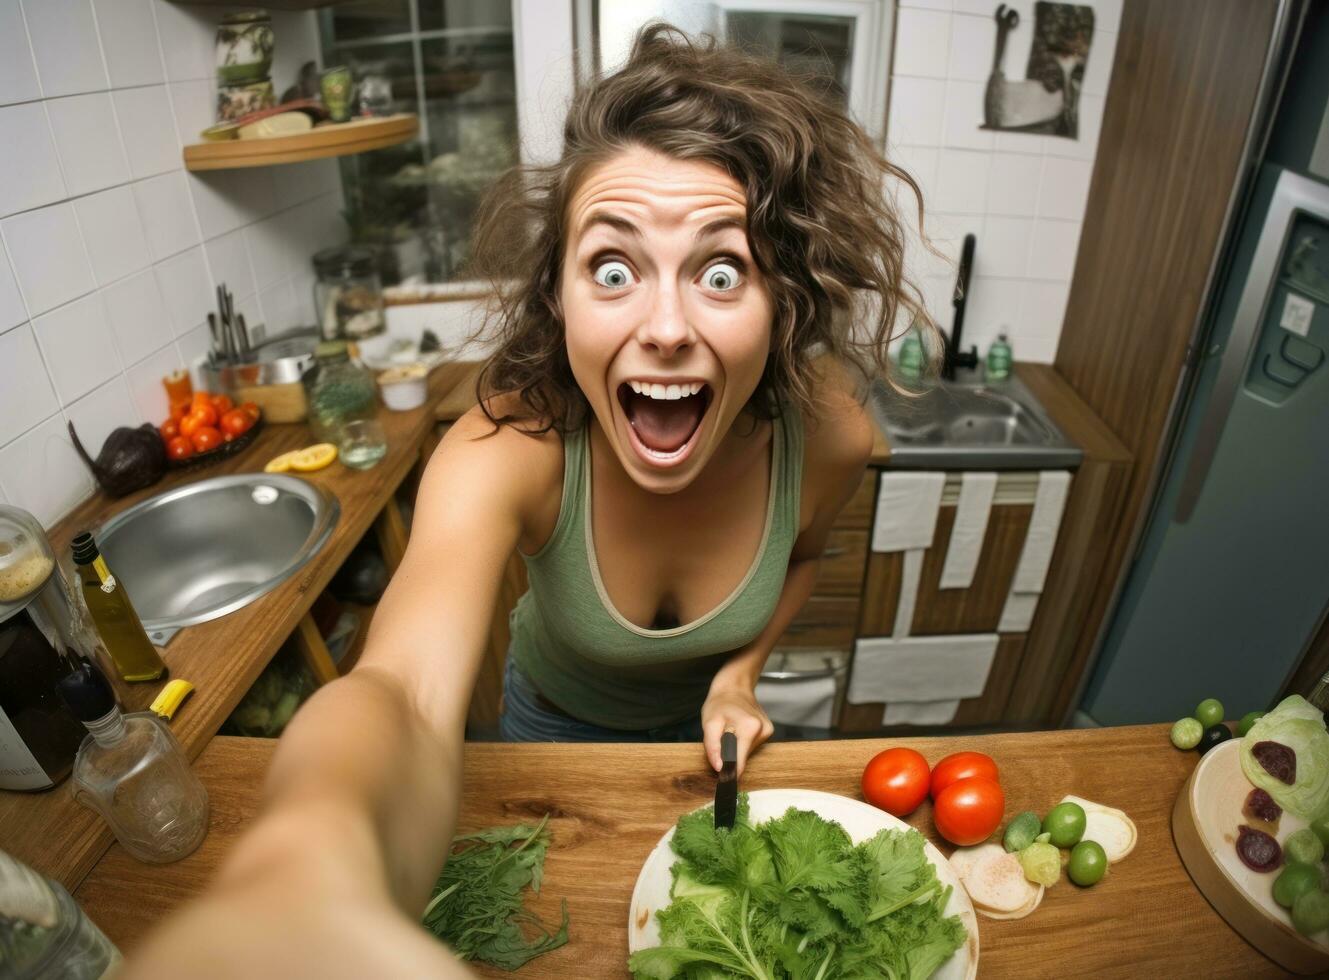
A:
{"points": [[726, 786]]}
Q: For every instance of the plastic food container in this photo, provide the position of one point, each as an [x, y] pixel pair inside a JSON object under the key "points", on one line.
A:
{"points": [[404, 388]]}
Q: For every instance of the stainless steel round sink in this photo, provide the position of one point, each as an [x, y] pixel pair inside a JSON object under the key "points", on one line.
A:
{"points": [[206, 549]]}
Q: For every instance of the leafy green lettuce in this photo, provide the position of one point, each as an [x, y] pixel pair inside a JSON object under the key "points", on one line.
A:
{"points": [[795, 899], [1299, 725]]}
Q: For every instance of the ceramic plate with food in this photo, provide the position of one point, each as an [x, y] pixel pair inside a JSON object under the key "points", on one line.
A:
{"points": [[859, 821]]}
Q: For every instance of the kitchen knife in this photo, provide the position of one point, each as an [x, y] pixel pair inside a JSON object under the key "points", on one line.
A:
{"points": [[726, 788]]}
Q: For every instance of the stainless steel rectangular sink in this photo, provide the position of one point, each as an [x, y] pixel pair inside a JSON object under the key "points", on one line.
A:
{"points": [[968, 424]]}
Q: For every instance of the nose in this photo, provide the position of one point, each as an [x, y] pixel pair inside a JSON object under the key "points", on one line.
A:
{"points": [[666, 330]]}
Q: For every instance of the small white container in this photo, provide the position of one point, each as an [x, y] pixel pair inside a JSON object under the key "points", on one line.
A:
{"points": [[404, 388]]}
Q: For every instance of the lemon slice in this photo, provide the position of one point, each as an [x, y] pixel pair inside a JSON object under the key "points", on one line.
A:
{"points": [[282, 463], [313, 458]]}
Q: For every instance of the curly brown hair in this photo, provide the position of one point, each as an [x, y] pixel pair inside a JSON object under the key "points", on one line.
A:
{"points": [[821, 220]]}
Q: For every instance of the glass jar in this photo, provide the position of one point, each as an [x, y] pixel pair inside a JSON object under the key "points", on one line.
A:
{"points": [[348, 296], [339, 390], [44, 933]]}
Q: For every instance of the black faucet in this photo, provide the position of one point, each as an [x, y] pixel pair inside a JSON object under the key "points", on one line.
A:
{"points": [[953, 355]]}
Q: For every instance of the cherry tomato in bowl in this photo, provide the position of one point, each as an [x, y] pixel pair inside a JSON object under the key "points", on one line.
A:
{"points": [[896, 781], [236, 422], [962, 765], [169, 430], [179, 447], [969, 810], [205, 438], [221, 404]]}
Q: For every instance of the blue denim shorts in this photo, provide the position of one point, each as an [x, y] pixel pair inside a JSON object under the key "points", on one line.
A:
{"points": [[524, 720]]}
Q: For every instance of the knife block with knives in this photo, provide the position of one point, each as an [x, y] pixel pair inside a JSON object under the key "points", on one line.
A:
{"points": [[268, 374]]}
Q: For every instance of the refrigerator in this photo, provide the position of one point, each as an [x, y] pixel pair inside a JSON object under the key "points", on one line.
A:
{"points": [[1230, 579]]}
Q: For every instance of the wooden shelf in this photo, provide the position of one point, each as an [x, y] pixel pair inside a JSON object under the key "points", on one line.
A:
{"points": [[328, 140]]}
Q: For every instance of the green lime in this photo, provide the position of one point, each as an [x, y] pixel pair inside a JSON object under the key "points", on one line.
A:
{"points": [[1310, 912], [1041, 864], [1321, 827], [1065, 822], [1186, 733], [1088, 863], [1293, 881], [1303, 847], [1247, 720], [1021, 831], [1209, 712]]}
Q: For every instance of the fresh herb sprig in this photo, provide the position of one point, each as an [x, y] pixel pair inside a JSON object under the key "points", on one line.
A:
{"points": [[477, 906]]}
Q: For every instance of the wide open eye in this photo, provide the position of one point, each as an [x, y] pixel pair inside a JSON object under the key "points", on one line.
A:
{"points": [[721, 277], [613, 274]]}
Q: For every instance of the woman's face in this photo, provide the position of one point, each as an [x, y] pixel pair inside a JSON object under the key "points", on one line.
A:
{"points": [[667, 319]]}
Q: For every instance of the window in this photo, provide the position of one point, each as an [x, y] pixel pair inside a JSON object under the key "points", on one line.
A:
{"points": [[451, 62]]}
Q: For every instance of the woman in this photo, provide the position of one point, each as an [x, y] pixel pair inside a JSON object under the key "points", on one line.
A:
{"points": [[661, 450]]}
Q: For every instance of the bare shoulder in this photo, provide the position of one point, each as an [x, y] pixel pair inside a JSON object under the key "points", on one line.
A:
{"points": [[496, 469], [839, 430]]}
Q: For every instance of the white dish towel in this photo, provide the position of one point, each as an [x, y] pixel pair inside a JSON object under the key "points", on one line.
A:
{"points": [[921, 668], [907, 505], [798, 702], [970, 527]]}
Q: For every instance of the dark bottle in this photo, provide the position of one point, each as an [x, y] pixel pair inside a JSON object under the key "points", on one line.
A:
{"points": [[114, 616], [39, 736]]}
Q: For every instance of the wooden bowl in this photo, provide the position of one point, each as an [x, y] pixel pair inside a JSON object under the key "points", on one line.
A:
{"points": [[1204, 827]]}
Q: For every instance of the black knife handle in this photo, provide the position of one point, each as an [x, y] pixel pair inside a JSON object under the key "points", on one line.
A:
{"points": [[729, 748]]}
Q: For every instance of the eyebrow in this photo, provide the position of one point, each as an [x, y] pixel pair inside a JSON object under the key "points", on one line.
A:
{"points": [[627, 227]]}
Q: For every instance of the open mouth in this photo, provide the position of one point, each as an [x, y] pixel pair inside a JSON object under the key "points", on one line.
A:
{"points": [[664, 418]]}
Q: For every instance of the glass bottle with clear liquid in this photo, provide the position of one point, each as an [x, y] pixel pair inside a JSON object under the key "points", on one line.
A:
{"points": [[132, 771]]}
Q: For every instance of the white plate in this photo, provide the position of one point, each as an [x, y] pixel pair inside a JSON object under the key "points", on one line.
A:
{"points": [[860, 821]]}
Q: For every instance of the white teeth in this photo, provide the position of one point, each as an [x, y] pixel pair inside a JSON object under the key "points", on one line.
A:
{"points": [[666, 392]]}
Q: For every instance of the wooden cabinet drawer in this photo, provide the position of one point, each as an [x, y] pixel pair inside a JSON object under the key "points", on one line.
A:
{"points": [[939, 611], [841, 571], [824, 622]]}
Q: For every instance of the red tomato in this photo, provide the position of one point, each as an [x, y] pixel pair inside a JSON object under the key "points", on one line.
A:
{"points": [[896, 781], [962, 765], [179, 410], [205, 438], [179, 448], [251, 409], [968, 810], [169, 429], [236, 422], [221, 404]]}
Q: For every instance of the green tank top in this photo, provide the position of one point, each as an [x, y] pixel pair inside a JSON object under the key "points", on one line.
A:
{"points": [[585, 657]]}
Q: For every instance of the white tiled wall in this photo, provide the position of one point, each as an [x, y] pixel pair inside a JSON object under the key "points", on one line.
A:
{"points": [[1022, 196], [109, 250]]}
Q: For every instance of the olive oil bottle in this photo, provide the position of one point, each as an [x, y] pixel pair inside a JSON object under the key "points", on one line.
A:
{"points": [[117, 622]]}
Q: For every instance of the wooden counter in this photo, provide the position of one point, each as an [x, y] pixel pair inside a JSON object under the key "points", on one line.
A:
{"points": [[222, 658], [611, 803]]}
